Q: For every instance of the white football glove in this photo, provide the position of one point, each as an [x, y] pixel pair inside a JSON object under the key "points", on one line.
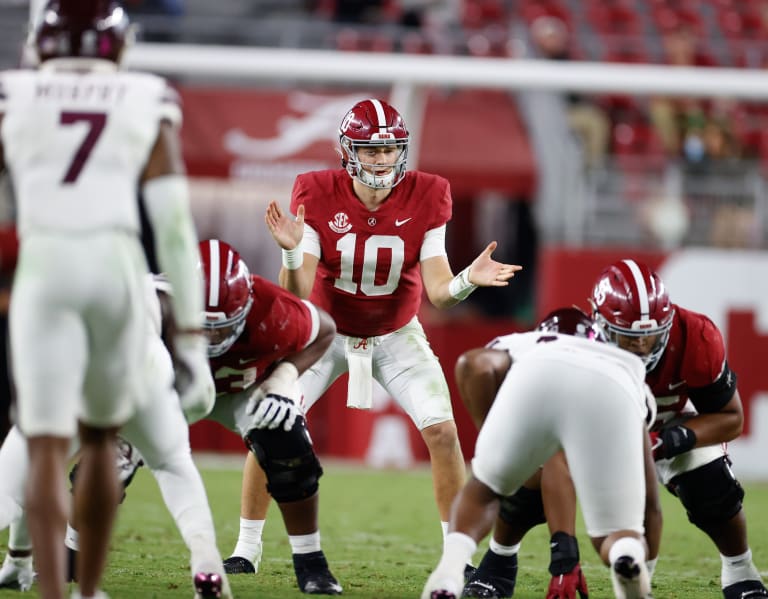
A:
{"points": [[272, 404], [194, 381]]}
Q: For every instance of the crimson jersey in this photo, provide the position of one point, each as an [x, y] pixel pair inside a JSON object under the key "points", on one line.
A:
{"points": [[693, 367], [279, 324], [368, 277]]}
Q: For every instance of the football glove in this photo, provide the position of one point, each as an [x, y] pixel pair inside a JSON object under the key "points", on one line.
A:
{"points": [[272, 411], [272, 404], [672, 441], [568, 585]]}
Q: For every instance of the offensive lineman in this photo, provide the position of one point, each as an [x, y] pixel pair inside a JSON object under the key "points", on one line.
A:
{"points": [[699, 410]]}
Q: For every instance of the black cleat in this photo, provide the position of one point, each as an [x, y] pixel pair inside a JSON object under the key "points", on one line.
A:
{"points": [[442, 594], [208, 586], [746, 589], [313, 575], [238, 565], [626, 567], [494, 578]]}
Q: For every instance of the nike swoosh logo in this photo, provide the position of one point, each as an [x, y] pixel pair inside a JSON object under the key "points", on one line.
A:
{"points": [[245, 361], [402, 222], [673, 386]]}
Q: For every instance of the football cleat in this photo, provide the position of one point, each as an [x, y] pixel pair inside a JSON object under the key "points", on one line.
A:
{"points": [[746, 589], [494, 578], [17, 573], [442, 594], [313, 575], [211, 585], [238, 565], [630, 579]]}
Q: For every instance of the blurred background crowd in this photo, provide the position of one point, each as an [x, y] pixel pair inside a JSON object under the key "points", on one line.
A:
{"points": [[658, 172]]}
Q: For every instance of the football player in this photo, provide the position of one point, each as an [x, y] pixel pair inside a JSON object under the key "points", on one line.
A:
{"points": [[699, 410], [552, 385], [261, 339], [80, 139], [366, 240], [157, 435]]}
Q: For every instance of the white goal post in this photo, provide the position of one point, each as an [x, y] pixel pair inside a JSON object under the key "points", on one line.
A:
{"points": [[251, 65]]}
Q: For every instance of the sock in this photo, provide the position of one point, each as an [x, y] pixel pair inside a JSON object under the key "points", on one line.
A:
{"points": [[72, 538], [305, 543], [18, 535], [627, 546], [504, 550], [444, 526], [737, 568], [651, 565], [458, 550], [249, 538]]}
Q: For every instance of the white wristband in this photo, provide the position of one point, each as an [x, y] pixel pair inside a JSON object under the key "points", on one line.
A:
{"points": [[460, 287], [293, 259]]}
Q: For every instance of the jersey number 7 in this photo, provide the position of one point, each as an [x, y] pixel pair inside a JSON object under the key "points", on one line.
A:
{"points": [[96, 122]]}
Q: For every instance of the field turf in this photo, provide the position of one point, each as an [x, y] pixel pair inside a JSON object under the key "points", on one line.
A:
{"points": [[381, 534]]}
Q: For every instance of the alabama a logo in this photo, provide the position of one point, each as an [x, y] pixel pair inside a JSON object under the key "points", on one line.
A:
{"points": [[340, 223]]}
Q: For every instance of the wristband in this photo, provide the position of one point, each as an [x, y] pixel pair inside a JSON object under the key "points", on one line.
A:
{"points": [[459, 288], [293, 259]]}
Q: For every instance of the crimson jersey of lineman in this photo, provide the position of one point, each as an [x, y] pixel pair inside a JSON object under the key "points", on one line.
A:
{"points": [[693, 367], [279, 324], [368, 277]]}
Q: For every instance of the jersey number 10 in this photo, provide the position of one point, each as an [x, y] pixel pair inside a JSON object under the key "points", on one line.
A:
{"points": [[346, 246]]}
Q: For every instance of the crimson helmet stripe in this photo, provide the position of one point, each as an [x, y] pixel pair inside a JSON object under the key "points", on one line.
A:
{"points": [[641, 286], [380, 115], [213, 288]]}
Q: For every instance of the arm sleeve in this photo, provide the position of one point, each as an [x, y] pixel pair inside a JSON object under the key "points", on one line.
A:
{"points": [[167, 203], [713, 397], [433, 244]]}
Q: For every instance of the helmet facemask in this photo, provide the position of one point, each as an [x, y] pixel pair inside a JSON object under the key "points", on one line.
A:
{"points": [[640, 329], [222, 332], [365, 172]]}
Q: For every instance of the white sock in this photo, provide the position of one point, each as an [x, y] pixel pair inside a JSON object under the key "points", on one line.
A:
{"points": [[249, 538], [458, 551], [72, 538], [651, 565], [305, 543], [627, 546], [18, 534], [444, 526], [737, 568], [505, 550]]}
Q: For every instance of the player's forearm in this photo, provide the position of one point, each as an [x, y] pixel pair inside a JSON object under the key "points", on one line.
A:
{"points": [[298, 281]]}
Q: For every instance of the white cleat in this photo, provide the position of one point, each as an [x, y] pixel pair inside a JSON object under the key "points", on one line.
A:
{"points": [[17, 572], [630, 579]]}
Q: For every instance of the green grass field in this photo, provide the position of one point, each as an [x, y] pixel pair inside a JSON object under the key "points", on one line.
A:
{"points": [[381, 534]]}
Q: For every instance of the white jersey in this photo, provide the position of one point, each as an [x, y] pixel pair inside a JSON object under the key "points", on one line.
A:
{"points": [[68, 135], [608, 359]]}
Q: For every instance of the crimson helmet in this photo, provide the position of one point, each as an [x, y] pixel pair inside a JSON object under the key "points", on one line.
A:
{"points": [[571, 321], [83, 29], [373, 123], [228, 294], [630, 299]]}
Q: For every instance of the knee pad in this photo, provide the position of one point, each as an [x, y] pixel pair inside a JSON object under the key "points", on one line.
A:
{"points": [[288, 460], [524, 508], [709, 493]]}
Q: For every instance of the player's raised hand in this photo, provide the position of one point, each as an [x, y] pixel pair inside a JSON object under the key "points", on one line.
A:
{"points": [[487, 272], [286, 231]]}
